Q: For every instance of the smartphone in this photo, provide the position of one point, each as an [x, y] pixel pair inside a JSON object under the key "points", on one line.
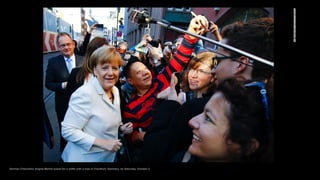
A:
{"points": [[99, 25], [146, 30]]}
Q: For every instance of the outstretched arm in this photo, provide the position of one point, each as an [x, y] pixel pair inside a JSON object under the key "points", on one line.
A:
{"points": [[215, 30]]}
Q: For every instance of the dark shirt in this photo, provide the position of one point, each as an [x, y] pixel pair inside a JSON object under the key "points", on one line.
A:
{"points": [[170, 132]]}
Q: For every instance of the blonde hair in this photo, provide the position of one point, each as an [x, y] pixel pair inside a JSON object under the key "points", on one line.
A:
{"points": [[86, 69], [105, 54]]}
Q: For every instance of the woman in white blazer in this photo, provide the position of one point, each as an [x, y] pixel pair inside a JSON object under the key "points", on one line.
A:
{"points": [[93, 118]]}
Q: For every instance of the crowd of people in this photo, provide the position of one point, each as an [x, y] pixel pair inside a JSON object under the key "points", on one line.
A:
{"points": [[171, 102]]}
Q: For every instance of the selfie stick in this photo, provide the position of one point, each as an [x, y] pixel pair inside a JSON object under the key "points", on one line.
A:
{"points": [[141, 17]]}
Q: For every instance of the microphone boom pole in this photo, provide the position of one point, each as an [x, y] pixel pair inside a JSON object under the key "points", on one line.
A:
{"points": [[142, 17], [168, 26]]}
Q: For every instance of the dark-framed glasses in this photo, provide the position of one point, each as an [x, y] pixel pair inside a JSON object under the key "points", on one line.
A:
{"points": [[216, 60], [199, 71]]}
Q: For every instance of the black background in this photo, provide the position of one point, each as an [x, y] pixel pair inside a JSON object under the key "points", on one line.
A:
{"points": [[23, 110]]}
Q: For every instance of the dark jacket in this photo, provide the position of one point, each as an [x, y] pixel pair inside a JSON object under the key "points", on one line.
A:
{"points": [[47, 128], [170, 132], [56, 73]]}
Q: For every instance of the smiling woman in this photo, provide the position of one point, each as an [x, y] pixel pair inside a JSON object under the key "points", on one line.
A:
{"points": [[197, 78], [234, 125], [96, 106]]}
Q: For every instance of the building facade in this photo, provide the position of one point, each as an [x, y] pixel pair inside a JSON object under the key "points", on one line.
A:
{"points": [[180, 17]]}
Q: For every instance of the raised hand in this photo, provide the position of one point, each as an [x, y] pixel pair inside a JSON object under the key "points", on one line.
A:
{"points": [[198, 25], [170, 92], [213, 28], [173, 93]]}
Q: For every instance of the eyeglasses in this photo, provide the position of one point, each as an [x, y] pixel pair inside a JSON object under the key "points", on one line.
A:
{"points": [[65, 45], [218, 59], [263, 93], [199, 70]]}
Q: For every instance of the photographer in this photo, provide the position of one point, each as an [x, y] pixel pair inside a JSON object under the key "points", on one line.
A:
{"points": [[87, 39]]}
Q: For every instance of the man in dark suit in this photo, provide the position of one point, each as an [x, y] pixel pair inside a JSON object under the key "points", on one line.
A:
{"points": [[57, 74]]}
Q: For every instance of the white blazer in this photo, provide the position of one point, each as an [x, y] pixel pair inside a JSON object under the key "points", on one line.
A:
{"points": [[90, 114]]}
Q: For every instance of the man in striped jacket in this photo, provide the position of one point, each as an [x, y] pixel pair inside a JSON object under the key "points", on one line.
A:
{"points": [[139, 108]]}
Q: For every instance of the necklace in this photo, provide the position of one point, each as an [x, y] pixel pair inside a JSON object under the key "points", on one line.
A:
{"points": [[110, 96]]}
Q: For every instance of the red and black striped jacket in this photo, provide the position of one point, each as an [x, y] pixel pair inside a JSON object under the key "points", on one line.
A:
{"points": [[138, 110]]}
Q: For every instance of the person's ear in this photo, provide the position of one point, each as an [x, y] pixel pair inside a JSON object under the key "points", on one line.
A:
{"points": [[254, 145], [244, 60], [242, 63], [130, 81]]}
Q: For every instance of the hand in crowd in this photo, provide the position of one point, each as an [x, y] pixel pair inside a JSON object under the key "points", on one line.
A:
{"points": [[170, 92], [109, 144], [93, 27], [126, 128], [173, 93], [147, 37], [165, 93], [198, 25], [213, 28], [140, 136]]}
